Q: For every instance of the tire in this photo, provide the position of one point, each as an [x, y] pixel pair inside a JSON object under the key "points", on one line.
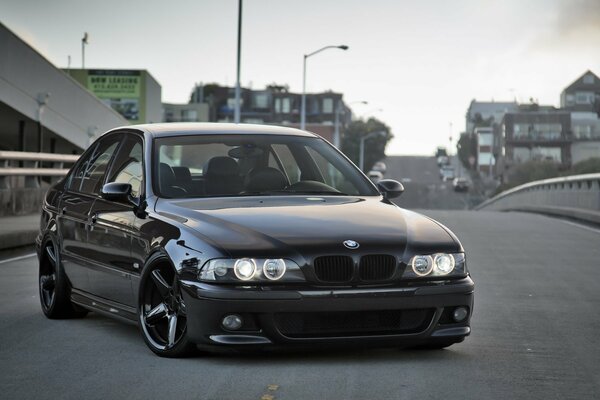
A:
{"points": [[54, 287], [162, 315]]}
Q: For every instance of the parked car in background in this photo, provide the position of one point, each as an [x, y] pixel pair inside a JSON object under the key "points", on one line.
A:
{"points": [[245, 236], [460, 184], [441, 156], [447, 173], [375, 176], [379, 166]]}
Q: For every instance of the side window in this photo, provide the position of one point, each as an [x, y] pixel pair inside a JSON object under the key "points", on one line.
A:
{"points": [[90, 174], [127, 167], [289, 162]]}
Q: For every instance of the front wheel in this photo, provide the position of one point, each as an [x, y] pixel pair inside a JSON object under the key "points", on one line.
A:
{"points": [[162, 315]]}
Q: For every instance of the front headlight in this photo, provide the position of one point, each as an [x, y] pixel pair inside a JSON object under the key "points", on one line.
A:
{"points": [[250, 270], [436, 265]]}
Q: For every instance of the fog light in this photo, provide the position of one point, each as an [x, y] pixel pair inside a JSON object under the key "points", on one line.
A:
{"points": [[232, 322], [460, 313]]}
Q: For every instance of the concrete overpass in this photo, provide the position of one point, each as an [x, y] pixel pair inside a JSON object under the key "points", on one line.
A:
{"points": [[34, 93]]}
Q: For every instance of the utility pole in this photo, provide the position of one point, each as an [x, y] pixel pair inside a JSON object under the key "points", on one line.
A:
{"points": [[84, 41], [239, 52]]}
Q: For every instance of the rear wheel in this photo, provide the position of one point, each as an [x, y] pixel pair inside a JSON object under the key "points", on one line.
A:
{"points": [[54, 287], [162, 314]]}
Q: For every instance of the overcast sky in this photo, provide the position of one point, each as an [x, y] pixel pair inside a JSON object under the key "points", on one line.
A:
{"points": [[418, 63]]}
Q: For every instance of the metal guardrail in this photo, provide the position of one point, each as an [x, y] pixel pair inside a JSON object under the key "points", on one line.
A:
{"points": [[576, 196], [30, 167]]}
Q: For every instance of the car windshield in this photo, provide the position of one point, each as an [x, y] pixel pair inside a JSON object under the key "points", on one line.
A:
{"points": [[253, 165]]}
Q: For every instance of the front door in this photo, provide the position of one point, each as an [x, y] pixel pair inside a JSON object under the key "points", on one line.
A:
{"points": [[112, 228]]}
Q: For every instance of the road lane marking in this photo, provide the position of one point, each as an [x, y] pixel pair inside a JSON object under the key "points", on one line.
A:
{"points": [[270, 395], [581, 226], [17, 258]]}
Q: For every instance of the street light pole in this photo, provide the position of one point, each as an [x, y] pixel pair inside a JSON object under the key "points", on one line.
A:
{"points": [[361, 156], [303, 106], [239, 51]]}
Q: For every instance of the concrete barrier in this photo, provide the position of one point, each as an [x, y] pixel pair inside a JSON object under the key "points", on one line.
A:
{"points": [[576, 196]]}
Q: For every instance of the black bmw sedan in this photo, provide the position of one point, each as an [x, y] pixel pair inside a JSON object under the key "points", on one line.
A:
{"points": [[246, 236]]}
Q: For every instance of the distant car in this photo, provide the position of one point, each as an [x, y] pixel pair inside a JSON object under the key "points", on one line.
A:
{"points": [[443, 160], [245, 236], [447, 173], [375, 176], [441, 151], [379, 166], [460, 184]]}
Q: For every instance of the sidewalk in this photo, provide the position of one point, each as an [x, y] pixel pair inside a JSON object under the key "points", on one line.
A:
{"points": [[18, 231]]}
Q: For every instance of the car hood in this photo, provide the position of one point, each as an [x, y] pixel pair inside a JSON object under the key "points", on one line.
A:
{"points": [[298, 225]]}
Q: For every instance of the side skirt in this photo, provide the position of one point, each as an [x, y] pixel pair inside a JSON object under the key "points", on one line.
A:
{"points": [[103, 306]]}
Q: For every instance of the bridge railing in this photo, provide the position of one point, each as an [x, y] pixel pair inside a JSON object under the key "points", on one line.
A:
{"points": [[576, 196], [28, 165]]}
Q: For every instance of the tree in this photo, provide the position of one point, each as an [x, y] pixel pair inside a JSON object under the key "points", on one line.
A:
{"points": [[374, 147], [467, 148], [589, 166]]}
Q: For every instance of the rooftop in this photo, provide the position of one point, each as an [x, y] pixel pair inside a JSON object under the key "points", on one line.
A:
{"points": [[211, 128]]}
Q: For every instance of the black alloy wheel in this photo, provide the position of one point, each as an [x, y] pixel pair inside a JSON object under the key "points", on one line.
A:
{"points": [[162, 313], [54, 287]]}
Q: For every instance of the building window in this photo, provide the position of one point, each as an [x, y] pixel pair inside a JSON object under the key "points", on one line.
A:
{"points": [[189, 115], [261, 100], [277, 105], [588, 79], [327, 105], [286, 105], [584, 98], [538, 131], [486, 139]]}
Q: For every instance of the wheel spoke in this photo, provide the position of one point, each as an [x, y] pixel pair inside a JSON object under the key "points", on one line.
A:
{"points": [[48, 282], [51, 254], [163, 287], [156, 314], [172, 329]]}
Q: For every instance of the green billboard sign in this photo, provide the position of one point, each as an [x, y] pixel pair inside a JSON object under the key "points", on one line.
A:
{"points": [[119, 89], [114, 84]]}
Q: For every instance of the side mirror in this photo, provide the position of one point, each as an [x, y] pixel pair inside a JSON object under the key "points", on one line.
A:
{"points": [[116, 191], [390, 188]]}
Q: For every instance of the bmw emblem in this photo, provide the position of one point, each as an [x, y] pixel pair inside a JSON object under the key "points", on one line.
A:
{"points": [[351, 244]]}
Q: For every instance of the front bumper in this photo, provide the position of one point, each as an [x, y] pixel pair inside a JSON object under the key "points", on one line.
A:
{"points": [[207, 304]]}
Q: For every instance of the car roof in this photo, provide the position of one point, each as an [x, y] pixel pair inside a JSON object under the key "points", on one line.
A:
{"points": [[211, 128]]}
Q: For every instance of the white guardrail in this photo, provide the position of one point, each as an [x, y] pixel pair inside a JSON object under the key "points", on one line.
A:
{"points": [[25, 164], [576, 196]]}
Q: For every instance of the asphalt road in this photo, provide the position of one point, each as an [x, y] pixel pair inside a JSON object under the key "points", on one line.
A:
{"points": [[535, 336], [423, 187]]}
